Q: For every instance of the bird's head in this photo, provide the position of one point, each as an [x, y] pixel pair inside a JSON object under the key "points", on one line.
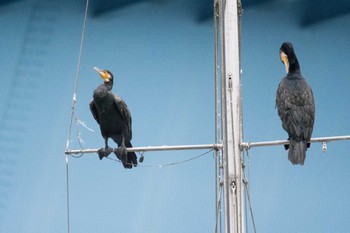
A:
{"points": [[106, 75], [288, 57]]}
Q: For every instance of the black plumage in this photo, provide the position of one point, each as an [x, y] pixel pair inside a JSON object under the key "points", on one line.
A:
{"points": [[295, 105], [114, 118]]}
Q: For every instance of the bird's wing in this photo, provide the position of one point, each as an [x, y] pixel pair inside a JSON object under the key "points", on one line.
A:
{"points": [[283, 105], [94, 111], [309, 112], [124, 112], [296, 109]]}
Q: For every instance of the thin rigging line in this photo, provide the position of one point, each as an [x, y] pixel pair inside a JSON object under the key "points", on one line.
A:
{"points": [[246, 214], [77, 77], [247, 190], [245, 196], [218, 207], [250, 207], [67, 188], [73, 114], [167, 164]]}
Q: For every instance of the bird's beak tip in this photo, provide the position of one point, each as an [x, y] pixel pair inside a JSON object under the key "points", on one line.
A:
{"points": [[103, 75]]}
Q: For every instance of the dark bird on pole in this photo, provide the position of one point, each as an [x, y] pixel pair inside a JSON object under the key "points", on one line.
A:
{"points": [[295, 105], [114, 118]]}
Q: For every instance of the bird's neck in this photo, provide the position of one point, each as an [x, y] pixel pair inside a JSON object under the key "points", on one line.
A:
{"points": [[102, 91], [108, 86], [294, 67]]}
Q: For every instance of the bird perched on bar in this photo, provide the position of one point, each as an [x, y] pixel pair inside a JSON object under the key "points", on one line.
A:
{"points": [[295, 105], [114, 118]]}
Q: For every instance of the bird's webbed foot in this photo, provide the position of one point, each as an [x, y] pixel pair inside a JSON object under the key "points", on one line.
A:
{"points": [[286, 146], [104, 152]]}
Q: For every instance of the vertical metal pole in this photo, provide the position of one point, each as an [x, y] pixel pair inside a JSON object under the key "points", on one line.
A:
{"points": [[218, 125], [232, 119]]}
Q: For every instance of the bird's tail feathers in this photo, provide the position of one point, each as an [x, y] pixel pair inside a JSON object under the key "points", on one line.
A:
{"points": [[297, 152], [129, 159]]}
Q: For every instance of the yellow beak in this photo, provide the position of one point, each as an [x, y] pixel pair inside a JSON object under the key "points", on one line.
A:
{"points": [[104, 75], [284, 59]]}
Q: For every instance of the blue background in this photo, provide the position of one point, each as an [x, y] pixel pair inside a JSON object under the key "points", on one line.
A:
{"points": [[162, 58]]}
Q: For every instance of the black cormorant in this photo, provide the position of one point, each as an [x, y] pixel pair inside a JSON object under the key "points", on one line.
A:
{"points": [[114, 118], [295, 105]]}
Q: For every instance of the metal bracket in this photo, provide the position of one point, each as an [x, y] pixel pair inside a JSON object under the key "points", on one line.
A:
{"points": [[216, 9], [240, 8], [324, 147], [233, 184], [230, 82]]}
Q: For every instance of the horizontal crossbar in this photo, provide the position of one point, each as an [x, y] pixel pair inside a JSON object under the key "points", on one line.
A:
{"points": [[243, 145], [154, 148], [247, 145]]}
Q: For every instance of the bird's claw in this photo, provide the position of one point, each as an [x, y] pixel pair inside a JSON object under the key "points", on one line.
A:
{"points": [[286, 146], [121, 152], [104, 152], [128, 160]]}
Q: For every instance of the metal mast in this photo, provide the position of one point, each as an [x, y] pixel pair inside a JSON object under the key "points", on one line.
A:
{"points": [[232, 116]]}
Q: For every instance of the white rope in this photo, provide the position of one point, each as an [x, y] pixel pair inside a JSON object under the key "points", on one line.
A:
{"points": [[73, 116]]}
